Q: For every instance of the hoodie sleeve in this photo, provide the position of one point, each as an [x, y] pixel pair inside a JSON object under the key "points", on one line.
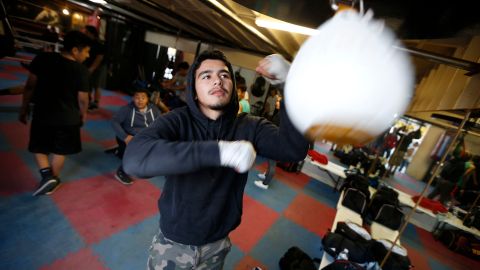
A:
{"points": [[159, 150], [117, 121], [293, 145]]}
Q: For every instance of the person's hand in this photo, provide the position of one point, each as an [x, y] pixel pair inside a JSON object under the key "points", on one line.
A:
{"points": [[239, 155], [274, 68], [128, 139], [23, 115], [83, 116]]}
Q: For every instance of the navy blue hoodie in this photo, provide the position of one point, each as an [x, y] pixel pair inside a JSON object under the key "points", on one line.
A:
{"points": [[201, 201]]}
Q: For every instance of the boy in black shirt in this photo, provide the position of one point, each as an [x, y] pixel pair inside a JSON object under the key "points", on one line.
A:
{"points": [[57, 86], [95, 65]]}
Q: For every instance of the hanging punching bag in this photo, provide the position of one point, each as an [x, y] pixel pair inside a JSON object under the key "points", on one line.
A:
{"points": [[348, 83]]}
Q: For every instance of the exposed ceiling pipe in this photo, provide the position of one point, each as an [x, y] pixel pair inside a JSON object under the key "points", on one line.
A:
{"points": [[471, 67]]}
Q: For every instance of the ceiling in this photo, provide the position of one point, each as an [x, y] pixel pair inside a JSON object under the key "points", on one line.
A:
{"points": [[232, 23]]}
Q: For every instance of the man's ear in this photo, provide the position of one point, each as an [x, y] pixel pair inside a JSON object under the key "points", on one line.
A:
{"points": [[74, 51]]}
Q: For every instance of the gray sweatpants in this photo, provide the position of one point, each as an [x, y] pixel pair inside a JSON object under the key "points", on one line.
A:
{"points": [[166, 254]]}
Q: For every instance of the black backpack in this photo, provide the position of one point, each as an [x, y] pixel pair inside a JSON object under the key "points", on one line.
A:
{"points": [[397, 260], [390, 216], [343, 265], [356, 195], [296, 259], [352, 231], [382, 196], [335, 244], [461, 242]]}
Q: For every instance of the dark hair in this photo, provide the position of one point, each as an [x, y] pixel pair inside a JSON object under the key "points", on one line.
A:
{"points": [[75, 39], [141, 90], [183, 65], [258, 87], [208, 55], [240, 81], [92, 30]]}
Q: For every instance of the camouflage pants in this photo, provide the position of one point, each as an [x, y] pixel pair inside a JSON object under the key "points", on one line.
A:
{"points": [[168, 255]]}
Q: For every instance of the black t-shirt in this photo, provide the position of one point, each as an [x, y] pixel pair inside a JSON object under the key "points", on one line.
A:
{"points": [[96, 49], [55, 96]]}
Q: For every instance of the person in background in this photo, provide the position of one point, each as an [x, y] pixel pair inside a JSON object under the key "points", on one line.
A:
{"points": [[57, 86], [157, 101], [267, 176], [270, 101], [389, 142], [403, 143], [243, 104], [407, 158], [469, 187], [205, 150], [450, 175], [178, 84], [130, 120], [96, 67]]}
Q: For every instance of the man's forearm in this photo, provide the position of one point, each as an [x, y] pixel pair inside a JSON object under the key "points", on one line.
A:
{"points": [[96, 63], [83, 105]]}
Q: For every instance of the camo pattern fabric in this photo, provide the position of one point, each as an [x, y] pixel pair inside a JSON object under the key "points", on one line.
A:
{"points": [[166, 254]]}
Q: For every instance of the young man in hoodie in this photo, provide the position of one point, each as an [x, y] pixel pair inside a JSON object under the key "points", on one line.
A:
{"points": [[205, 150], [128, 121]]}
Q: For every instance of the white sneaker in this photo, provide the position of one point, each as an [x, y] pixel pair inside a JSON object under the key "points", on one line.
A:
{"points": [[260, 184], [261, 176]]}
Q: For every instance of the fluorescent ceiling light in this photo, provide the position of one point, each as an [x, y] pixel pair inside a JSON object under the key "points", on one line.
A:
{"points": [[284, 26], [101, 2]]}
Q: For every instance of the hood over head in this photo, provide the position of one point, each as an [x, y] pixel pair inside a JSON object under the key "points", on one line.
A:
{"points": [[231, 109]]}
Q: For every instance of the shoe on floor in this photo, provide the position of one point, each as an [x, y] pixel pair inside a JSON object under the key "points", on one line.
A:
{"points": [[55, 187], [92, 106], [45, 186], [260, 184], [261, 176], [123, 177]]}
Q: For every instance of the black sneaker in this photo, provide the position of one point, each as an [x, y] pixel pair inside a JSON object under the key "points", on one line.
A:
{"points": [[55, 187], [92, 106], [123, 177], [45, 186]]}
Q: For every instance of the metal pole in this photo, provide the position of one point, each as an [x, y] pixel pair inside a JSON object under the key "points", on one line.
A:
{"points": [[434, 175], [471, 67]]}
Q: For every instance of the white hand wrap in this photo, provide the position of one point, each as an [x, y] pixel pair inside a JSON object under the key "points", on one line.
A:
{"points": [[239, 155], [278, 67]]}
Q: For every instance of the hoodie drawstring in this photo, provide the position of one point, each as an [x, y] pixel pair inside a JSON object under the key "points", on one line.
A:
{"points": [[144, 116], [133, 117]]}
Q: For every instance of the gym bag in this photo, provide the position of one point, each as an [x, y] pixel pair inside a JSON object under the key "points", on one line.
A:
{"points": [[461, 242], [343, 265], [352, 231], [382, 196], [390, 216], [296, 259], [335, 244], [356, 194], [397, 260]]}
